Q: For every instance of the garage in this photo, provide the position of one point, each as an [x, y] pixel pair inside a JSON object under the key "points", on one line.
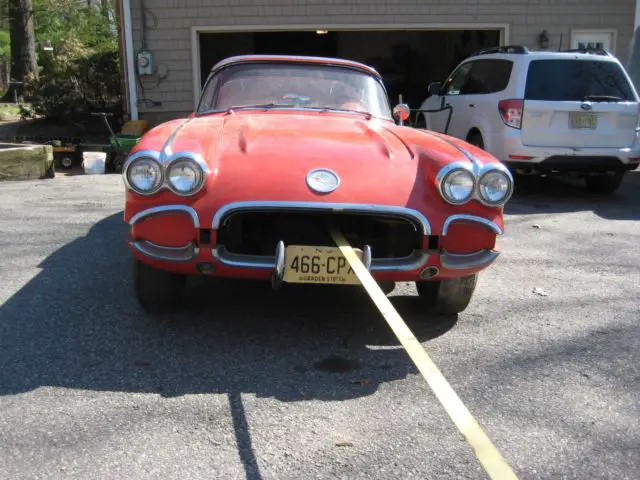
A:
{"points": [[408, 60]]}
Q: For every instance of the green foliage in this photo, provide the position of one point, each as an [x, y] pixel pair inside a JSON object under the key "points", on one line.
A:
{"points": [[55, 20], [73, 82], [81, 74], [5, 45]]}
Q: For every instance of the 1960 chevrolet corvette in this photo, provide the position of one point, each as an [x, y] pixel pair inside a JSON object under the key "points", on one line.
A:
{"points": [[279, 150]]}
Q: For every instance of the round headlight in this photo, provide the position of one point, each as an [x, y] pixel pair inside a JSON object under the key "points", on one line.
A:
{"points": [[144, 175], [457, 186], [495, 187], [185, 176]]}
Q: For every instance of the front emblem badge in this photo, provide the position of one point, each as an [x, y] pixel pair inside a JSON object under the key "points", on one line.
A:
{"points": [[586, 106], [323, 180]]}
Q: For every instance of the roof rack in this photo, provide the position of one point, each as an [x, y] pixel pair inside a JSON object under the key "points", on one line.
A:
{"points": [[593, 51], [518, 49]]}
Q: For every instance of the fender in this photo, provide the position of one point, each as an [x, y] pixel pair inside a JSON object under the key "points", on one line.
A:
{"points": [[479, 121]]}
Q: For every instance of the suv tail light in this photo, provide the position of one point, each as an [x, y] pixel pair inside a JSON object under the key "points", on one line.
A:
{"points": [[511, 112]]}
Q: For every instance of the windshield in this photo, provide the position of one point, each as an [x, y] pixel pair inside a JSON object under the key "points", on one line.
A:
{"points": [[577, 80], [294, 85]]}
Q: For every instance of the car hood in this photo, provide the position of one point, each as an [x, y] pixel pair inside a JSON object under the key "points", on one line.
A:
{"points": [[268, 155]]}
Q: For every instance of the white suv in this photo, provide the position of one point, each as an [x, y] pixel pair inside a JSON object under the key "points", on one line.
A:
{"points": [[571, 112]]}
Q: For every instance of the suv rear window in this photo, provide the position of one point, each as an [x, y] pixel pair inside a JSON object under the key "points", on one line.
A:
{"points": [[575, 80]]}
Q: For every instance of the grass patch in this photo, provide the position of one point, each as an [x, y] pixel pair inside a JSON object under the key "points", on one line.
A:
{"points": [[9, 111]]}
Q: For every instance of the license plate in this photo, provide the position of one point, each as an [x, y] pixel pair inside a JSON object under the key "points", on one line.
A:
{"points": [[583, 121], [306, 264]]}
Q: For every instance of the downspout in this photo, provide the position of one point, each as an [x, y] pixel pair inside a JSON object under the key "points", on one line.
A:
{"points": [[131, 74], [122, 59]]}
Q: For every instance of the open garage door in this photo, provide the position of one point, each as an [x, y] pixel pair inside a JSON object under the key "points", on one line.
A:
{"points": [[408, 60]]}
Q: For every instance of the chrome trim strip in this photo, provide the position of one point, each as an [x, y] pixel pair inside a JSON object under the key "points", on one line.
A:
{"points": [[295, 58], [334, 207], [166, 149], [243, 261], [473, 219], [280, 249], [164, 209], [173, 254], [455, 261], [414, 261], [470, 157], [366, 257]]}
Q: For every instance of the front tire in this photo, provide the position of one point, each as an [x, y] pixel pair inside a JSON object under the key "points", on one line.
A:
{"points": [[448, 296], [158, 291], [604, 184]]}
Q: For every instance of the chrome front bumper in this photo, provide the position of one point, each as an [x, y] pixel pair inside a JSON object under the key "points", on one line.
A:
{"points": [[416, 261]]}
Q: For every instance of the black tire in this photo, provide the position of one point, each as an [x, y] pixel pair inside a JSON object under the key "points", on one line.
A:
{"points": [[66, 162], [448, 296], [476, 140], [387, 287], [158, 291], [604, 184]]}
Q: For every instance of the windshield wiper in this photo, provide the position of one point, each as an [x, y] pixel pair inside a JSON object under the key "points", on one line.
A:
{"points": [[346, 110], [260, 106], [603, 98]]}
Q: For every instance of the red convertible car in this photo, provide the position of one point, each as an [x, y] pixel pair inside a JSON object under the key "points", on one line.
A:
{"points": [[279, 150]]}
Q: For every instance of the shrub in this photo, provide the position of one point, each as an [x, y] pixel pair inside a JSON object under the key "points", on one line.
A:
{"points": [[73, 82]]}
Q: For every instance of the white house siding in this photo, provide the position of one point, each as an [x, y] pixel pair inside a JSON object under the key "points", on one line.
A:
{"points": [[169, 24]]}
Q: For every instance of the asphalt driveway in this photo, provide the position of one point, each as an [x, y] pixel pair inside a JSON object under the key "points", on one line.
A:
{"points": [[310, 383]]}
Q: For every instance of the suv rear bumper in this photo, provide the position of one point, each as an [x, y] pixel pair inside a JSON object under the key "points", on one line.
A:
{"points": [[572, 164], [510, 150]]}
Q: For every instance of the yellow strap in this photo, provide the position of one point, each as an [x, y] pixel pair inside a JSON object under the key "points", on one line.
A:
{"points": [[485, 451]]}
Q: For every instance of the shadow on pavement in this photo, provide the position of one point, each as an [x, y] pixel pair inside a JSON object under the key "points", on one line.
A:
{"points": [[563, 195], [77, 325]]}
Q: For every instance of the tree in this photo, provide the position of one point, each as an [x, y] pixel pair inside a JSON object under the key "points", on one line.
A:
{"points": [[23, 45], [81, 73]]}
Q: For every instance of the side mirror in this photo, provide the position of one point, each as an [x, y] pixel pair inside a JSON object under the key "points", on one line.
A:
{"points": [[401, 113], [434, 88]]}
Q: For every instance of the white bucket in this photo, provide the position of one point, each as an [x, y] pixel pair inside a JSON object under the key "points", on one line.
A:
{"points": [[94, 162]]}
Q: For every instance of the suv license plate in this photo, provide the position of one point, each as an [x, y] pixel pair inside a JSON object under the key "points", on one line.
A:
{"points": [[583, 121]]}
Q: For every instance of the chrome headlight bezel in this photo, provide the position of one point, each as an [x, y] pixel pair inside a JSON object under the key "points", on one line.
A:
{"points": [[198, 168], [478, 172], [495, 171], [165, 162], [143, 157], [449, 172]]}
